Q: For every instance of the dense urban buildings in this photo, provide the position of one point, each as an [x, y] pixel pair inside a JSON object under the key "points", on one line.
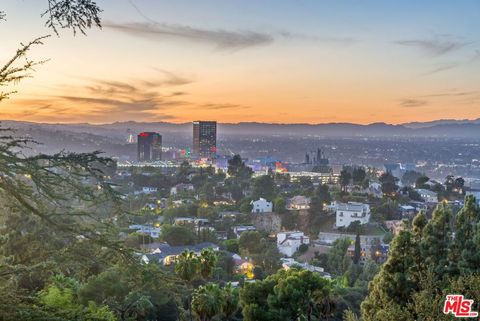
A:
{"points": [[205, 139], [149, 147]]}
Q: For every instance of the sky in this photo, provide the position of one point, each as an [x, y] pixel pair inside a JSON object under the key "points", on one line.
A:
{"points": [[273, 61]]}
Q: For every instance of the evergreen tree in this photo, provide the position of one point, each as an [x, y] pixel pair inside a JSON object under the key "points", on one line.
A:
{"points": [[426, 263], [391, 289], [465, 251], [264, 187], [389, 184], [358, 249], [345, 177], [358, 175], [436, 240]]}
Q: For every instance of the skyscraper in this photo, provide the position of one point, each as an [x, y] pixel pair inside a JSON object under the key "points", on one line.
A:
{"points": [[205, 139], [149, 147]]}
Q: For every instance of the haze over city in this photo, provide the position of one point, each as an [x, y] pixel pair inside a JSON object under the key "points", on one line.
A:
{"points": [[268, 61]]}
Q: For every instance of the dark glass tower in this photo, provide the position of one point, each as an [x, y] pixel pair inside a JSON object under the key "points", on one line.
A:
{"points": [[149, 147], [205, 139]]}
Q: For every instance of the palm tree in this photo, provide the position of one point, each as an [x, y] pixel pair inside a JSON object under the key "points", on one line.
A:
{"points": [[187, 266], [207, 301], [230, 301], [327, 307], [325, 303], [208, 260]]}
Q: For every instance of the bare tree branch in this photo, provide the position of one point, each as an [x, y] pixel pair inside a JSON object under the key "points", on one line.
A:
{"points": [[19, 66], [77, 15]]}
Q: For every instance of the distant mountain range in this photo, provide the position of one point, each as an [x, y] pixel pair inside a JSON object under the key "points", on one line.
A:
{"points": [[441, 122], [119, 130]]}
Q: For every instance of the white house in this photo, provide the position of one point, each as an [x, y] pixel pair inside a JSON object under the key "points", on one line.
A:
{"points": [[407, 210], [289, 242], [147, 190], [427, 195], [198, 223], [261, 206], [347, 213], [153, 232], [298, 202], [288, 263]]}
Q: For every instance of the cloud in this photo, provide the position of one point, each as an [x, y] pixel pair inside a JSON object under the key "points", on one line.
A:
{"points": [[441, 67], [476, 56], [453, 94], [330, 40], [437, 46], [104, 100], [135, 99], [221, 39], [410, 102], [169, 79], [212, 106], [100, 100]]}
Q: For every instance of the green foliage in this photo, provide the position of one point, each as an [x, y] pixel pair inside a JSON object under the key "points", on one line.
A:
{"points": [[57, 298], [385, 211], [237, 168], [225, 266], [279, 205], [177, 235], [239, 178], [132, 293], [388, 237], [264, 187], [465, 249], [319, 199], [336, 256], [345, 178], [187, 266], [358, 176], [389, 184], [208, 260], [230, 301], [421, 182], [289, 220], [411, 177], [207, 301], [358, 250], [268, 257], [302, 248], [287, 295], [425, 263], [246, 207], [232, 245], [250, 242], [207, 212], [264, 254], [349, 315]]}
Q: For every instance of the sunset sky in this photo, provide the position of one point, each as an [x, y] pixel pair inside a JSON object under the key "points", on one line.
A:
{"points": [[267, 61]]}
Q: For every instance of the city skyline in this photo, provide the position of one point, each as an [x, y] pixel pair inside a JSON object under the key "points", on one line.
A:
{"points": [[274, 62]]}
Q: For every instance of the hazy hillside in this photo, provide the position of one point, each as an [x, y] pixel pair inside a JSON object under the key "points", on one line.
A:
{"points": [[120, 130]]}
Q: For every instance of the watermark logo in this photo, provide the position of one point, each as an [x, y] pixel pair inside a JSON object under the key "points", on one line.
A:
{"points": [[460, 307]]}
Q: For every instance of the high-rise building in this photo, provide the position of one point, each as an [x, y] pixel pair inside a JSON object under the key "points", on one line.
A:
{"points": [[149, 147], [205, 139]]}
